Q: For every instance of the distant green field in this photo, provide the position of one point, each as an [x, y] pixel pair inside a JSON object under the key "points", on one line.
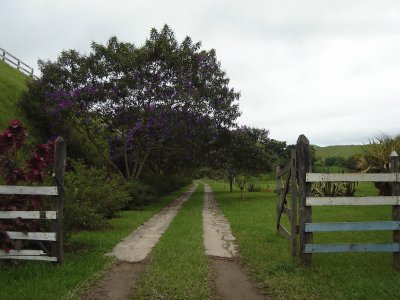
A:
{"points": [[341, 150], [12, 84]]}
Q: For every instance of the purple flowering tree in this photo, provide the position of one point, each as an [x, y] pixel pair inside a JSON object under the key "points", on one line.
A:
{"points": [[130, 102]]}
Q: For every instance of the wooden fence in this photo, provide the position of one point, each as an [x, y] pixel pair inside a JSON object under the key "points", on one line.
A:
{"points": [[284, 187], [306, 227], [56, 253], [16, 62]]}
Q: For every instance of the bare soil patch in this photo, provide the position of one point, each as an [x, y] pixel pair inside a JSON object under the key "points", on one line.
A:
{"points": [[232, 283], [117, 283]]}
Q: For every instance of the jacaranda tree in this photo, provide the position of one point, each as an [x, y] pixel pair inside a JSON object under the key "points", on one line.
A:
{"points": [[130, 102]]}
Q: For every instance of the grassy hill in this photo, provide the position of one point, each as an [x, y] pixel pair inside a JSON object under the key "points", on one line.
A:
{"points": [[12, 84], [340, 150]]}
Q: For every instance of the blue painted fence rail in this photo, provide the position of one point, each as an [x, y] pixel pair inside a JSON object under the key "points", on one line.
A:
{"points": [[335, 248], [352, 226]]}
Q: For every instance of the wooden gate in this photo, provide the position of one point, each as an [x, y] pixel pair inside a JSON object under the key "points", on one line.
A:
{"points": [[285, 187], [56, 253], [300, 168]]}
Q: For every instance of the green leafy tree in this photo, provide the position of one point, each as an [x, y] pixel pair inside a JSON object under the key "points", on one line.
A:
{"points": [[246, 151], [136, 103]]}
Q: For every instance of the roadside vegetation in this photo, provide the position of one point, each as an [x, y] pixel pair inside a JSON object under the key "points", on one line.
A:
{"points": [[12, 84]]}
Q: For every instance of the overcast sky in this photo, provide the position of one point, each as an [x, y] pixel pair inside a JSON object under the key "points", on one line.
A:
{"points": [[324, 68]]}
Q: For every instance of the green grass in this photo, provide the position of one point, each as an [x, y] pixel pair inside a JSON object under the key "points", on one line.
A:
{"points": [[178, 267], [43, 280], [341, 150], [12, 84], [332, 276]]}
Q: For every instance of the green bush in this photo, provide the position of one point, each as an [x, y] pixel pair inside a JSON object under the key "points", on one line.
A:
{"points": [[92, 195], [139, 194], [251, 187], [164, 184]]}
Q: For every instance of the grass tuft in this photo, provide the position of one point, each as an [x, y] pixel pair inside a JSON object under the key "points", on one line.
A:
{"points": [[178, 267]]}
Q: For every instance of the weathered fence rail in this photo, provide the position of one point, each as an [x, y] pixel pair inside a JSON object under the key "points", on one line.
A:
{"points": [[283, 189], [56, 253], [301, 171], [16, 62]]}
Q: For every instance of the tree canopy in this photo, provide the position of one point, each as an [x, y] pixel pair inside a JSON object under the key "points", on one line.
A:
{"points": [[131, 102], [246, 151]]}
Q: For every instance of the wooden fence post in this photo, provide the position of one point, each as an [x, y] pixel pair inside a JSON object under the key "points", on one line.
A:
{"points": [[394, 168], [58, 201], [277, 187], [303, 155], [293, 218]]}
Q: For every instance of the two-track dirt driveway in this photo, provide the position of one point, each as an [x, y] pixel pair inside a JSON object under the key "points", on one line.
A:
{"points": [[231, 281]]}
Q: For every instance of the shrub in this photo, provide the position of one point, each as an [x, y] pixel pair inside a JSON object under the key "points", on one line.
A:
{"points": [[164, 184], [333, 189], [13, 172], [251, 187], [139, 194], [92, 196]]}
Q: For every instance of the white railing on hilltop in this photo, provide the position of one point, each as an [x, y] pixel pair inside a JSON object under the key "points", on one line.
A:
{"points": [[16, 62]]}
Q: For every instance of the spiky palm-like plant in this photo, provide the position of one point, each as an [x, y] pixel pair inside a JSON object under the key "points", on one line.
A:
{"points": [[376, 157]]}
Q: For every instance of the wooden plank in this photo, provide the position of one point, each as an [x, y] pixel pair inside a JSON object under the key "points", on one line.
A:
{"points": [[284, 200], [394, 167], [293, 212], [41, 236], [282, 230], [352, 226], [13, 252], [29, 190], [352, 177], [278, 200], [60, 154], [335, 248], [332, 201], [29, 215], [283, 171], [30, 257], [303, 157]]}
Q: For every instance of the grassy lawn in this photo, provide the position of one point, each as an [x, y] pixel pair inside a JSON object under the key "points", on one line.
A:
{"points": [[339, 150], [42, 280], [178, 267], [332, 276], [12, 83]]}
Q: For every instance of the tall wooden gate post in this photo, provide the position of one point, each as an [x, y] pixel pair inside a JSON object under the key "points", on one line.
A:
{"points": [[303, 155], [58, 201], [394, 168], [293, 218]]}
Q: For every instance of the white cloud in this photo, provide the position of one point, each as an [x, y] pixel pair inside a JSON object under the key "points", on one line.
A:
{"points": [[328, 69]]}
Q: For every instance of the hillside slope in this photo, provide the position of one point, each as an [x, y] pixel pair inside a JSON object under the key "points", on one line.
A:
{"points": [[12, 84], [340, 150]]}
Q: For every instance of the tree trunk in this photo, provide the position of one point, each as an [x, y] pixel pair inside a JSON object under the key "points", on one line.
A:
{"points": [[230, 183], [142, 164], [127, 171]]}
